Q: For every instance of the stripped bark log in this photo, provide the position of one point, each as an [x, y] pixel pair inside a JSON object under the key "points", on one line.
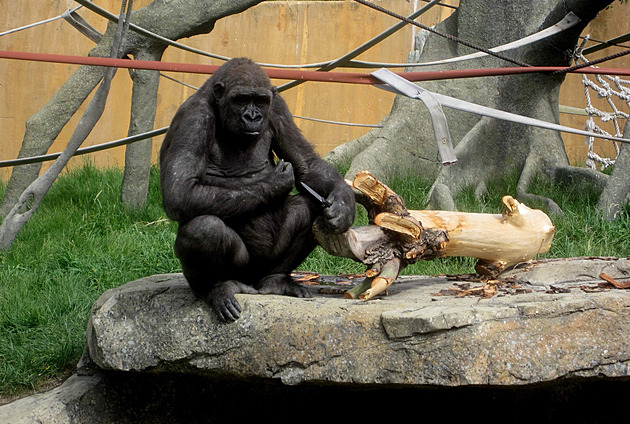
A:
{"points": [[499, 241], [396, 237]]}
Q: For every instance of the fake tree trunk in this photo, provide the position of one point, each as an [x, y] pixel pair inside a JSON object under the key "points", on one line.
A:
{"points": [[135, 186], [193, 17], [486, 148], [617, 189], [396, 237], [30, 199]]}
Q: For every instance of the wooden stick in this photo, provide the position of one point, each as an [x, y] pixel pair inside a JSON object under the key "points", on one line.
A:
{"points": [[355, 292], [387, 276]]}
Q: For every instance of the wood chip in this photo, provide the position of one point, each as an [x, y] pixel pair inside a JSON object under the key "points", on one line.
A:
{"points": [[616, 283]]}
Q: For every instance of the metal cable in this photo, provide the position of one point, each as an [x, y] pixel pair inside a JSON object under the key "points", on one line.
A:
{"points": [[85, 150], [349, 63], [613, 42], [343, 60], [33, 25], [441, 34], [591, 63]]}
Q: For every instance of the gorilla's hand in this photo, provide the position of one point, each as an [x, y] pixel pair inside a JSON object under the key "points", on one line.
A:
{"points": [[282, 178], [340, 214]]}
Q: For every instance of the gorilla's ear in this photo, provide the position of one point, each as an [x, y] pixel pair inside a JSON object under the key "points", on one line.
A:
{"points": [[218, 89], [274, 90]]}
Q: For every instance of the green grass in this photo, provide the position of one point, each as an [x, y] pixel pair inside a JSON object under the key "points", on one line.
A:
{"points": [[81, 242]]}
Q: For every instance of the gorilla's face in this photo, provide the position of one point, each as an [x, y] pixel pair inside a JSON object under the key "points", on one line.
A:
{"points": [[244, 110], [252, 107]]}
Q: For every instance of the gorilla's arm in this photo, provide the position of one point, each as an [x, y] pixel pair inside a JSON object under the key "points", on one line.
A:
{"points": [[290, 145], [187, 191]]}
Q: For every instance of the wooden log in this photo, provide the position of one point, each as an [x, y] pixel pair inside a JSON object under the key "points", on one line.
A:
{"points": [[361, 244], [397, 237], [499, 241]]}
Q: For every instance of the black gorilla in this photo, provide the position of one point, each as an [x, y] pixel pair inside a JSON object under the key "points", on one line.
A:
{"points": [[240, 230]]}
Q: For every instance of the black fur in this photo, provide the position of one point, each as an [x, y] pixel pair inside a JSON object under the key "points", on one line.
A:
{"points": [[240, 231]]}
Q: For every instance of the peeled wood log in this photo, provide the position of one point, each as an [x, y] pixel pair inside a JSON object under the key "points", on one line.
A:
{"points": [[397, 237], [517, 235]]}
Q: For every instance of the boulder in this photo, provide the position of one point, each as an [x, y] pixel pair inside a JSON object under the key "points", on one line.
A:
{"points": [[55, 406], [422, 333], [551, 335]]}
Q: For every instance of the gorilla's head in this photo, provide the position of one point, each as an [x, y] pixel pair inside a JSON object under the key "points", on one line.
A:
{"points": [[243, 96]]}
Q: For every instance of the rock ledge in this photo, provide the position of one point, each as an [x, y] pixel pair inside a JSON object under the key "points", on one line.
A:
{"points": [[548, 324]]}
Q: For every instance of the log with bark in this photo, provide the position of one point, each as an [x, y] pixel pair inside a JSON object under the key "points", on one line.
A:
{"points": [[396, 237]]}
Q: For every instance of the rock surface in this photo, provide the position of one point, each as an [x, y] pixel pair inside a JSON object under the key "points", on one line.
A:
{"points": [[414, 336], [546, 326], [55, 406]]}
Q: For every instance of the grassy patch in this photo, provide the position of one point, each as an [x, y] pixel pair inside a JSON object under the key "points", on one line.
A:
{"points": [[581, 231], [78, 244], [82, 242]]}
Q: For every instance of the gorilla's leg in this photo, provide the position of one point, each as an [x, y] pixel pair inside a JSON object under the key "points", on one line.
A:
{"points": [[211, 253], [288, 244]]}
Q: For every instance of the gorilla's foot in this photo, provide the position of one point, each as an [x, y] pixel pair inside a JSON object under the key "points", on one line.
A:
{"points": [[221, 299], [281, 284]]}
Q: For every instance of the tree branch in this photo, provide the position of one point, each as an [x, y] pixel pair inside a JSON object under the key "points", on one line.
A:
{"points": [[31, 198]]}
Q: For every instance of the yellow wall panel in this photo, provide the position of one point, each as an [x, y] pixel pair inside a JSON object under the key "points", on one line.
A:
{"points": [[287, 32]]}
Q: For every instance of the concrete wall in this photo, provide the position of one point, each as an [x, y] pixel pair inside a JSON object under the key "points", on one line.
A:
{"points": [[274, 32]]}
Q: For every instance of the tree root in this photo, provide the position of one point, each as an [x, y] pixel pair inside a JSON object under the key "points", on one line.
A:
{"points": [[532, 164], [343, 154], [577, 177], [617, 191], [440, 198]]}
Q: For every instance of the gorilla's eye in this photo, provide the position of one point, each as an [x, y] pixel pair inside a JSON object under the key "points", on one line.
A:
{"points": [[259, 100], [262, 100], [241, 99]]}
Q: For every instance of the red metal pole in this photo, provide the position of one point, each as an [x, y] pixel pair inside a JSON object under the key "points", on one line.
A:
{"points": [[292, 74]]}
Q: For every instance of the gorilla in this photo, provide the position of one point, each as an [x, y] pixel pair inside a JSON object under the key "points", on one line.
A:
{"points": [[229, 165]]}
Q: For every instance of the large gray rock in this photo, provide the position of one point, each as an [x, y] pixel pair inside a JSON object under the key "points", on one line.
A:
{"points": [[414, 336], [55, 406], [550, 345]]}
